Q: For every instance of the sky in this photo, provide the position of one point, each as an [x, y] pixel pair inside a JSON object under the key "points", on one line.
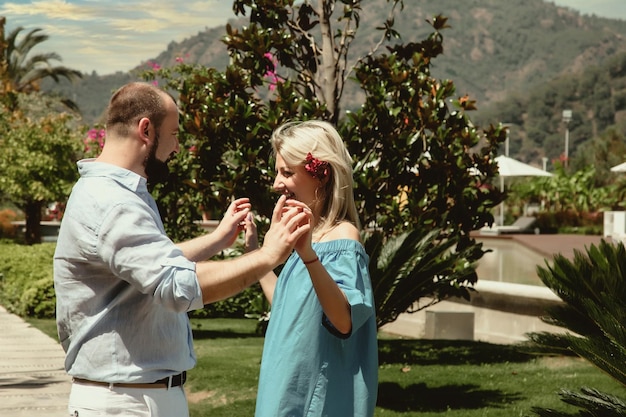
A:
{"points": [[118, 35]]}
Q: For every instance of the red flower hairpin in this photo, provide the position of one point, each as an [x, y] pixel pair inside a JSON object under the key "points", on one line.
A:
{"points": [[318, 169]]}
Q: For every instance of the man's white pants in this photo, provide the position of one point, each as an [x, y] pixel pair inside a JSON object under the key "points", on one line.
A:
{"points": [[90, 400]]}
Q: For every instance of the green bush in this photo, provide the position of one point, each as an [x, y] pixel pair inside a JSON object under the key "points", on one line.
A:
{"points": [[26, 283], [238, 306], [39, 301], [27, 286]]}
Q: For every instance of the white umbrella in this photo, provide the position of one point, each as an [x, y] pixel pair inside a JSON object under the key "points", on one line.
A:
{"points": [[509, 167], [619, 168]]}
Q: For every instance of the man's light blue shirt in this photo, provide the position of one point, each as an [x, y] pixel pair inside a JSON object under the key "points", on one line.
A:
{"points": [[123, 287]]}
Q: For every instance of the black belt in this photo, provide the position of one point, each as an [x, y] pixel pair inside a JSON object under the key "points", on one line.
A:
{"points": [[168, 382]]}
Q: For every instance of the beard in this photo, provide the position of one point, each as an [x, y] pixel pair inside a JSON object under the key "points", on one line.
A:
{"points": [[157, 171]]}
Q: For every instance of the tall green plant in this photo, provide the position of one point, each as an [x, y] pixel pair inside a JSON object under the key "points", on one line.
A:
{"points": [[417, 147], [38, 158], [416, 152], [593, 289], [225, 148]]}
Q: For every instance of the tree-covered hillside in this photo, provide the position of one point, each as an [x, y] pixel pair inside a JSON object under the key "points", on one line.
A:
{"points": [[493, 50], [596, 97]]}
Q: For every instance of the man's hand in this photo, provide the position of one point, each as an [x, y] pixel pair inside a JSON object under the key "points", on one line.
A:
{"points": [[233, 221]]}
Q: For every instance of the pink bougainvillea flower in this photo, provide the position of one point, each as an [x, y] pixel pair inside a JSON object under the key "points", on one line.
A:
{"points": [[94, 136], [270, 72]]}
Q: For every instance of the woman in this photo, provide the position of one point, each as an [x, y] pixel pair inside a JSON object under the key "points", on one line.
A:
{"points": [[320, 356]]}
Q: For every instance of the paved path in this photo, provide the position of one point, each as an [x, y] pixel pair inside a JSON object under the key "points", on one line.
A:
{"points": [[33, 382]]}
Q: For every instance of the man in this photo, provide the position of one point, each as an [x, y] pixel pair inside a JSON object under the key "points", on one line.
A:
{"points": [[123, 287]]}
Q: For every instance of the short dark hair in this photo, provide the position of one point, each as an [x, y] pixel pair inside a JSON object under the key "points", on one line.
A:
{"points": [[132, 102]]}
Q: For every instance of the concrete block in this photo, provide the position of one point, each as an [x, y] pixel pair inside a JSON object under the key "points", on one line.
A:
{"points": [[449, 325]]}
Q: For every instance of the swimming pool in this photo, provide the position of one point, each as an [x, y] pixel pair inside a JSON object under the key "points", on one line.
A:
{"points": [[509, 261]]}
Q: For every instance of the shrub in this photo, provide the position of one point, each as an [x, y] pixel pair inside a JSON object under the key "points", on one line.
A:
{"points": [[26, 286], [238, 306], [39, 301], [6, 228]]}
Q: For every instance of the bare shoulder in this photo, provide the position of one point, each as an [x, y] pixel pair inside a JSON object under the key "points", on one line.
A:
{"points": [[344, 230]]}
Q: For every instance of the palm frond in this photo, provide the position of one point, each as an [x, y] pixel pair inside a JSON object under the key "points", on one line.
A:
{"points": [[593, 288], [414, 265]]}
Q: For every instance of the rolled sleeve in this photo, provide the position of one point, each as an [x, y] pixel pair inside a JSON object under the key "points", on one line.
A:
{"points": [[180, 287]]}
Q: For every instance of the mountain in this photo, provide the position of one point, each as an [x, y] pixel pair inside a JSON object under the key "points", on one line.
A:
{"points": [[595, 99], [493, 50]]}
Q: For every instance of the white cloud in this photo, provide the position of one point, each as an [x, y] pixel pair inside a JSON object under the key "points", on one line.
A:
{"points": [[116, 35], [113, 35]]}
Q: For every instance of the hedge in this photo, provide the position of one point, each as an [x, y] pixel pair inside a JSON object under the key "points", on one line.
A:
{"points": [[27, 287]]}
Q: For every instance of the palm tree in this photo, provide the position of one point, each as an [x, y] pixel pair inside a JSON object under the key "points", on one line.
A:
{"points": [[22, 72], [20, 75]]}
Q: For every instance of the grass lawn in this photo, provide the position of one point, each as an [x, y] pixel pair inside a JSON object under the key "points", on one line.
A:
{"points": [[417, 377]]}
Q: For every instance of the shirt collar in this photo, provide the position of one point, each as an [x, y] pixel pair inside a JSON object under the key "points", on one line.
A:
{"points": [[127, 178]]}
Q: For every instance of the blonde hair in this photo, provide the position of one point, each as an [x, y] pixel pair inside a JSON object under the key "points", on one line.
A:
{"points": [[294, 140]]}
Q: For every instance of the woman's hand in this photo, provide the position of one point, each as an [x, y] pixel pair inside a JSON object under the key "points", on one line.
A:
{"points": [[251, 238], [288, 226], [303, 245]]}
